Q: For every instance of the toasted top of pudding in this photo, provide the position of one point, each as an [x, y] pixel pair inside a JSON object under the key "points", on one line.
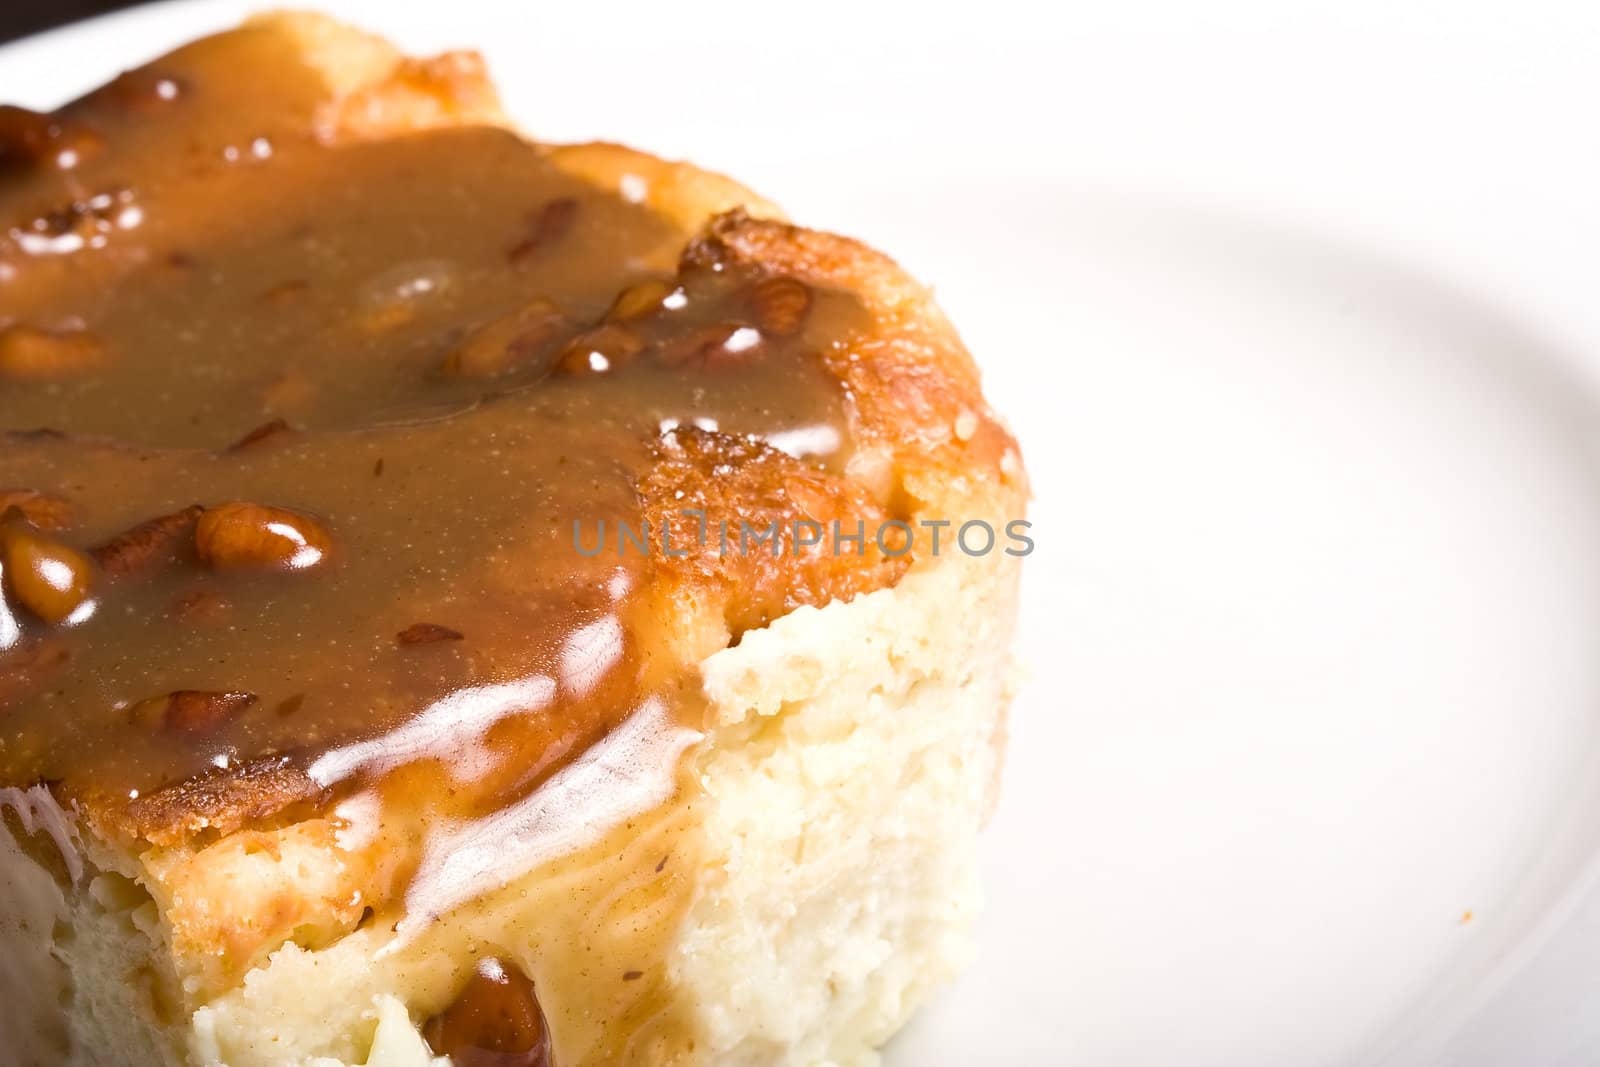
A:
{"points": [[359, 454], [310, 438]]}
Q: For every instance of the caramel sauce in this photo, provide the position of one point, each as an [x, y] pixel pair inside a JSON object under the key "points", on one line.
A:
{"points": [[436, 440], [294, 432]]}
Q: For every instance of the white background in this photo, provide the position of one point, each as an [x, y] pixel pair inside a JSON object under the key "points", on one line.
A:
{"points": [[1294, 309]]}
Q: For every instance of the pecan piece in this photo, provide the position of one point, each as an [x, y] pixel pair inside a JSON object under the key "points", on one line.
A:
{"points": [[48, 578], [45, 511], [239, 534], [28, 353], [267, 429], [193, 711], [598, 350], [496, 1020], [641, 300], [507, 342], [427, 633], [719, 344], [780, 304], [547, 225], [147, 544]]}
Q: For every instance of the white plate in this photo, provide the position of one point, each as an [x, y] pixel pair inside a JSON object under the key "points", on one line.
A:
{"points": [[1294, 311]]}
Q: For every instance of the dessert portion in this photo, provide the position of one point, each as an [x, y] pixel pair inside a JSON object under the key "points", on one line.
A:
{"points": [[469, 598]]}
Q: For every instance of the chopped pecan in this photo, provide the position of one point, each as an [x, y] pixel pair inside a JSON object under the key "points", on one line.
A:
{"points": [[239, 534], [496, 1020], [548, 224], [718, 344], [267, 429], [641, 300], [426, 633], [193, 712], [507, 342], [599, 350], [146, 545], [780, 304], [31, 354], [48, 578], [45, 511], [196, 712]]}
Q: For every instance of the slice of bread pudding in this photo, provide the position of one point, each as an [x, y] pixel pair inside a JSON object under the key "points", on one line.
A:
{"points": [[470, 598]]}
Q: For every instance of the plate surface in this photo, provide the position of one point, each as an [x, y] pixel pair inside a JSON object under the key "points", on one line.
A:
{"points": [[1294, 313]]}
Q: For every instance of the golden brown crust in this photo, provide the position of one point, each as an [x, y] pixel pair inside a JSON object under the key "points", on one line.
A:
{"points": [[684, 193], [920, 416], [218, 802], [746, 558], [371, 89], [446, 90]]}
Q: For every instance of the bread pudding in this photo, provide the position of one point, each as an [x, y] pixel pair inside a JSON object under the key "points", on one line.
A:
{"points": [[466, 599]]}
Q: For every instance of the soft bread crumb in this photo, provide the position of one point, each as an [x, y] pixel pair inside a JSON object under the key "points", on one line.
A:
{"points": [[854, 755], [397, 1043], [849, 797]]}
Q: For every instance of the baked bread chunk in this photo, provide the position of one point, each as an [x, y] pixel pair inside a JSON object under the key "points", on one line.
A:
{"points": [[467, 598]]}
